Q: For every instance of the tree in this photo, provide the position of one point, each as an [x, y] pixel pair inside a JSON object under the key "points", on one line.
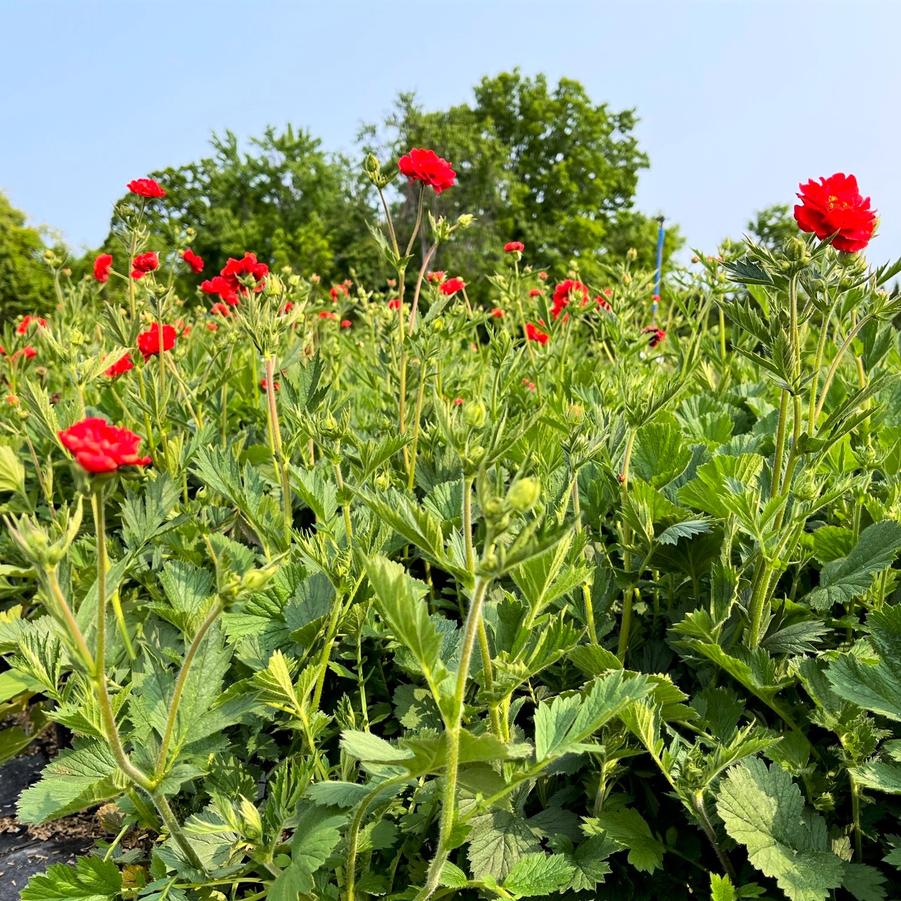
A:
{"points": [[773, 226], [283, 198], [546, 166], [26, 285]]}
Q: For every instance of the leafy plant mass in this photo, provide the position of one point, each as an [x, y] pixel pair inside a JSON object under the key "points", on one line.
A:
{"points": [[561, 589]]}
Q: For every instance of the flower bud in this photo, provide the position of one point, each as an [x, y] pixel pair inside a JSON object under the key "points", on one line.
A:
{"points": [[524, 494], [627, 279], [465, 220], [475, 414], [371, 165], [575, 414], [631, 254]]}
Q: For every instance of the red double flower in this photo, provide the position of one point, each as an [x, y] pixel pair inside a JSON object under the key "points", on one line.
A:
{"points": [[426, 166], [835, 209], [146, 187], [514, 247], [120, 367], [194, 261], [27, 321], [144, 263], [564, 291], [452, 286], [156, 340], [533, 333], [100, 447], [237, 277], [102, 265]]}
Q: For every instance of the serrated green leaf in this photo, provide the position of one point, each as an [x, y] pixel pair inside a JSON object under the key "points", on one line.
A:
{"points": [[847, 578], [539, 874], [566, 721], [762, 809], [497, 840], [75, 780], [91, 879], [628, 828]]}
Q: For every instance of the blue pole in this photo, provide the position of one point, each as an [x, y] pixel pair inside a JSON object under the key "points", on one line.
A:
{"points": [[660, 233]]}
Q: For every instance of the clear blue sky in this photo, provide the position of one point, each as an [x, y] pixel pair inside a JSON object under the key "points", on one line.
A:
{"points": [[739, 99]]}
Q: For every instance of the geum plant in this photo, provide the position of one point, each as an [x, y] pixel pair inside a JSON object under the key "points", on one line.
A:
{"points": [[581, 594]]}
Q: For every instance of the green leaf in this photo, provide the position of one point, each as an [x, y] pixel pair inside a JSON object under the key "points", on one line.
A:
{"points": [[661, 452], [629, 828], [879, 775], [315, 838], [75, 780], [91, 879], [873, 686], [539, 874], [763, 810], [399, 599], [12, 472], [366, 746], [847, 578], [721, 888], [565, 722], [590, 861], [498, 839], [864, 882]]}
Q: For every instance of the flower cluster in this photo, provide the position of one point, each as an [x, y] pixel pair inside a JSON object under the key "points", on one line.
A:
{"points": [[237, 277]]}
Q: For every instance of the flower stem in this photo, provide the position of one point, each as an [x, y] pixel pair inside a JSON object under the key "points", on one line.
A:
{"points": [[180, 683], [278, 454]]}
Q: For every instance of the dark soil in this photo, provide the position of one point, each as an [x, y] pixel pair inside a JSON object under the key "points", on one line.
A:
{"points": [[26, 850]]}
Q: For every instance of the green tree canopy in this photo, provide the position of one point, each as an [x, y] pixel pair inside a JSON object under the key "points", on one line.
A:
{"points": [[283, 197], [539, 164], [26, 285], [773, 225]]}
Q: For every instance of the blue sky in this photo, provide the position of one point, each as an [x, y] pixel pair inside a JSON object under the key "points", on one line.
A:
{"points": [[739, 99]]}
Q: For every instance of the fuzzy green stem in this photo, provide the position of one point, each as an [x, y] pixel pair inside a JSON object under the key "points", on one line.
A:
{"points": [[180, 682], [275, 433]]}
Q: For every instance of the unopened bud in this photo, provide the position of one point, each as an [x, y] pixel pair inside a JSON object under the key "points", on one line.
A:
{"points": [[631, 254], [475, 414], [524, 494]]}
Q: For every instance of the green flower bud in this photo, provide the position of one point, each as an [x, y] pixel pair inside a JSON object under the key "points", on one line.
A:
{"points": [[524, 494], [631, 254], [475, 414]]}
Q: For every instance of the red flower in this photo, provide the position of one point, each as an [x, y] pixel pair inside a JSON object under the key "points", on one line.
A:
{"points": [[564, 291], [529, 385], [429, 168], [28, 352], [458, 401], [289, 305], [327, 314], [28, 321], [452, 286], [656, 334], [543, 276], [602, 302], [100, 447], [220, 309], [437, 277], [222, 287], [146, 187], [394, 304], [248, 269], [120, 367], [835, 209], [497, 313], [144, 263], [533, 333], [155, 339], [194, 261], [514, 247], [238, 276], [102, 266], [535, 292], [264, 385], [346, 323]]}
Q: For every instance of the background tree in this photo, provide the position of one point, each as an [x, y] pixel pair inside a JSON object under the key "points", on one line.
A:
{"points": [[542, 165], [26, 285], [283, 198], [773, 225]]}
